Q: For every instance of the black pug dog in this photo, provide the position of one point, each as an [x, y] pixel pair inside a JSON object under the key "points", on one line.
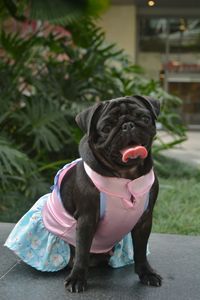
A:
{"points": [[117, 143]]}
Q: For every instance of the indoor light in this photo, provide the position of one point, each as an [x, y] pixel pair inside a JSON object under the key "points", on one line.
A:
{"points": [[151, 3]]}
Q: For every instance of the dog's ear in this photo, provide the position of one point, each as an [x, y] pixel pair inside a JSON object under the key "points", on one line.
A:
{"points": [[153, 104], [85, 118]]}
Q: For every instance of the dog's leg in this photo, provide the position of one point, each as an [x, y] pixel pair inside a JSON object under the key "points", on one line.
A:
{"points": [[77, 279], [145, 272], [140, 236]]}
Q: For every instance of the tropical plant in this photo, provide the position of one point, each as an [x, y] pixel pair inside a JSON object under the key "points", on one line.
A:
{"points": [[58, 12]]}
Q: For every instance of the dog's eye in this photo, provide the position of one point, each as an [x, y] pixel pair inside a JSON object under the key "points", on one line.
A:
{"points": [[106, 129], [145, 119]]}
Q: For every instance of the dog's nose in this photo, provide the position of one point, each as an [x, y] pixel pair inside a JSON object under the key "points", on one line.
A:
{"points": [[128, 126]]}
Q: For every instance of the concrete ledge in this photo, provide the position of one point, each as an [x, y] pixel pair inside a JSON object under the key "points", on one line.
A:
{"points": [[177, 258]]}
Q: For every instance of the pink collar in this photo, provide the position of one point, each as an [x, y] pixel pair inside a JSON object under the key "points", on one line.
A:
{"points": [[121, 187]]}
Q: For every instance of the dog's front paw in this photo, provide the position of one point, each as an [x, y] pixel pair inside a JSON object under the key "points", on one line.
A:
{"points": [[75, 283], [147, 275], [153, 279]]}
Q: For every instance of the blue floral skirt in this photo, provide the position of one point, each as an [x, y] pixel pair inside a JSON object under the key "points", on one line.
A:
{"points": [[43, 250]]}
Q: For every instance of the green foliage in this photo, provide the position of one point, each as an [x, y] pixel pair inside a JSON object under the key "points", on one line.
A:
{"points": [[64, 12], [12, 161], [60, 12], [169, 168], [177, 209], [46, 78]]}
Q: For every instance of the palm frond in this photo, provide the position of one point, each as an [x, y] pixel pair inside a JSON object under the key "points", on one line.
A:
{"points": [[12, 160], [65, 11], [43, 122]]}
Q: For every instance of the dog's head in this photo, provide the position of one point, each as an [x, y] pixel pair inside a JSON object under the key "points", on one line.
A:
{"points": [[120, 131]]}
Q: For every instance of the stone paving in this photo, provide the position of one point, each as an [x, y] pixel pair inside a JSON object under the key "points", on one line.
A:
{"points": [[177, 258], [188, 151]]}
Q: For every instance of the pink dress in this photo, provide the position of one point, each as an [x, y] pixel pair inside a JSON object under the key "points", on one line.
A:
{"points": [[48, 228], [124, 203]]}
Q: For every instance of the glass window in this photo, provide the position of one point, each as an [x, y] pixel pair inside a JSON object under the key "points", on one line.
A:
{"points": [[189, 92], [183, 34]]}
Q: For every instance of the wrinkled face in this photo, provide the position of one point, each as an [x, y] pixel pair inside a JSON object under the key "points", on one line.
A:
{"points": [[123, 133]]}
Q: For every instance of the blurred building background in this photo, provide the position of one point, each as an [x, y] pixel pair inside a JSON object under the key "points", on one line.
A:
{"points": [[162, 36]]}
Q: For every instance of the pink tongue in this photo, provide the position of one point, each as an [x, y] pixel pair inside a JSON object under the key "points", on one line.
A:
{"points": [[134, 152]]}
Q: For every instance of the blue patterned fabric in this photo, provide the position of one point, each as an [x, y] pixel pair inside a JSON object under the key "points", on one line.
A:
{"points": [[35, 245], [123, 253]]}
